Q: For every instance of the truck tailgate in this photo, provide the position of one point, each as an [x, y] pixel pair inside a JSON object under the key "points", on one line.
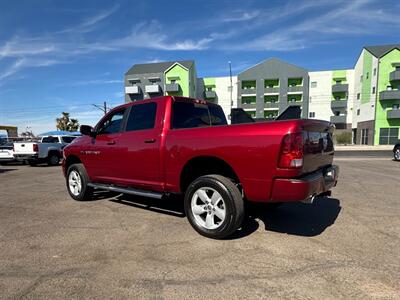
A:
{"points": [[318, 145], [22, 148]]}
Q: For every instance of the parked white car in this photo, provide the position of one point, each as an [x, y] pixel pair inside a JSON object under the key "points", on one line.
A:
{"points": [[6, 153], [48, 150]]}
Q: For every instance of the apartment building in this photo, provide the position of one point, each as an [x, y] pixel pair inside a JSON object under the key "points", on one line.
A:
{"points": [[151, 80], [332, 97], [364, 100]]}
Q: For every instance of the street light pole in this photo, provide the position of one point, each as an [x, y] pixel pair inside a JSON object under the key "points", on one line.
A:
{"points": [[230, 76]]}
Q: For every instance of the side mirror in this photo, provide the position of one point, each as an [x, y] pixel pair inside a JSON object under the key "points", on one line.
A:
{"points": [[87, 130]]}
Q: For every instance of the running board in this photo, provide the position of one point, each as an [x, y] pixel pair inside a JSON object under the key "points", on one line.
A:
{"points": [[126, 190]]}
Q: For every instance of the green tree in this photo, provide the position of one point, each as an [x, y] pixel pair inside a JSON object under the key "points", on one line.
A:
{"points": [[66, 123]]}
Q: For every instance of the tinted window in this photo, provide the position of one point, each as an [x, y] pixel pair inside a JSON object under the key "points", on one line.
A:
{"points": [[50, 139], [67, 139], [190, 115], [142, 116], [217, 115], [112, 124]]}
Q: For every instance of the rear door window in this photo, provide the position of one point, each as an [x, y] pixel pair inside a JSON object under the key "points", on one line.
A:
{"points": [[67, 139], [142, 116], [217, 116], [190, 115]]}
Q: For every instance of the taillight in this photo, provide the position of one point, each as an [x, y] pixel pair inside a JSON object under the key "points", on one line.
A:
{"points": [[35, 148], [291, 155]]}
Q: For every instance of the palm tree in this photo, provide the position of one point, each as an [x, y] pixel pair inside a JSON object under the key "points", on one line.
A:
{"points": [[66, 124]]}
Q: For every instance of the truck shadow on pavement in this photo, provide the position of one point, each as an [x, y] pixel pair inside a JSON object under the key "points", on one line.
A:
{"points": [[172, 205], [290, 218], [7, 170], [297, 218]]}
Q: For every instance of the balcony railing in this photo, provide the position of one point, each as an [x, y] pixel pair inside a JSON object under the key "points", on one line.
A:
{"points": [[340, 88], [338, 119], [210, 94], [152, 89], [248, 105], [394, 76], [393, 114], [248, 91], [338, 104], [172, 87], [389, 95], [294, 89], [132, 89], [274, 90], [271, 105]]}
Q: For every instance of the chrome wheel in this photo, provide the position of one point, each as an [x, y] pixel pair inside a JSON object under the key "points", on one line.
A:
{"points": [[75, 183], [208, 208], [397, 154]]}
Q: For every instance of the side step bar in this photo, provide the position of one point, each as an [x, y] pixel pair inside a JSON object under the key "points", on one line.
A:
{"points": [[126, 190]]}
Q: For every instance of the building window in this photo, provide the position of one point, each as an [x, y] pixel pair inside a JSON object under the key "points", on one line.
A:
{"points": [[358, 96], [373, 90], [367, 75], [374, 71], [358, 112], [388, 136], [312, 114], [313, 84]]}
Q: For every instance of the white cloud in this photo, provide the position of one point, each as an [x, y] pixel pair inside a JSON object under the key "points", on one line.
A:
{"points": [[240, 16]]}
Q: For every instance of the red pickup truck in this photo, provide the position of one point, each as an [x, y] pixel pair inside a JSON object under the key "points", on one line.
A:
{"points": [[177, 145]]}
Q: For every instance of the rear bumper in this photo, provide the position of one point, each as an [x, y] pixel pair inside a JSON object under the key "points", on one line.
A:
{"points": [[302, 189], [21, 157]]}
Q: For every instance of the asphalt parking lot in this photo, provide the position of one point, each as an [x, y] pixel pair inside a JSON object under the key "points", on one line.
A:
{"points": [[347, 246]]}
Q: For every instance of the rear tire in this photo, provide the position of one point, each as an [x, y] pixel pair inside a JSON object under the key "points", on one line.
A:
{"points": [[53, 159], [214, 206], [77, 181], [32, 163], [396, 154]]}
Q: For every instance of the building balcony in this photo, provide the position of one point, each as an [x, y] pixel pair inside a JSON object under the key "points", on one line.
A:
{"points": [[393, 114], [249, 91], [210, 94], [172, 87], [271, 90], [249, 105], [338, 119], [394, 76], [135, 89], [338, 104], [152, 88], [271, 105], [389, 95], [295, 89], [295, 103], [340, 88]]}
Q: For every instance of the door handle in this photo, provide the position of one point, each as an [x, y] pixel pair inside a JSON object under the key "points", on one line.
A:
{"points": [[111, 143], [150, 141]]}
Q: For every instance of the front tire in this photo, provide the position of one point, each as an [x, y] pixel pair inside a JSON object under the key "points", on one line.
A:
{"points": [[214, 206], [77, 181], [396, 154]]}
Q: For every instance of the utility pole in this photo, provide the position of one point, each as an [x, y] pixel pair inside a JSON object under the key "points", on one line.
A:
{"points": [[102, 108]]}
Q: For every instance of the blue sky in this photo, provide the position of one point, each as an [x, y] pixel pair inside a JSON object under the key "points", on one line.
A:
{"points": [[67, 55]]}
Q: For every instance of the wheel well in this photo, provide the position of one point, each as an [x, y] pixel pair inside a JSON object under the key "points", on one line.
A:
{"points": [[205, 165], [56, 152], [72, 159]]}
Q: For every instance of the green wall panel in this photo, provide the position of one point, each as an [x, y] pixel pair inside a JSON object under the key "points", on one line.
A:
{"points": [[366, 81], [385, 67], [181, 76]]}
